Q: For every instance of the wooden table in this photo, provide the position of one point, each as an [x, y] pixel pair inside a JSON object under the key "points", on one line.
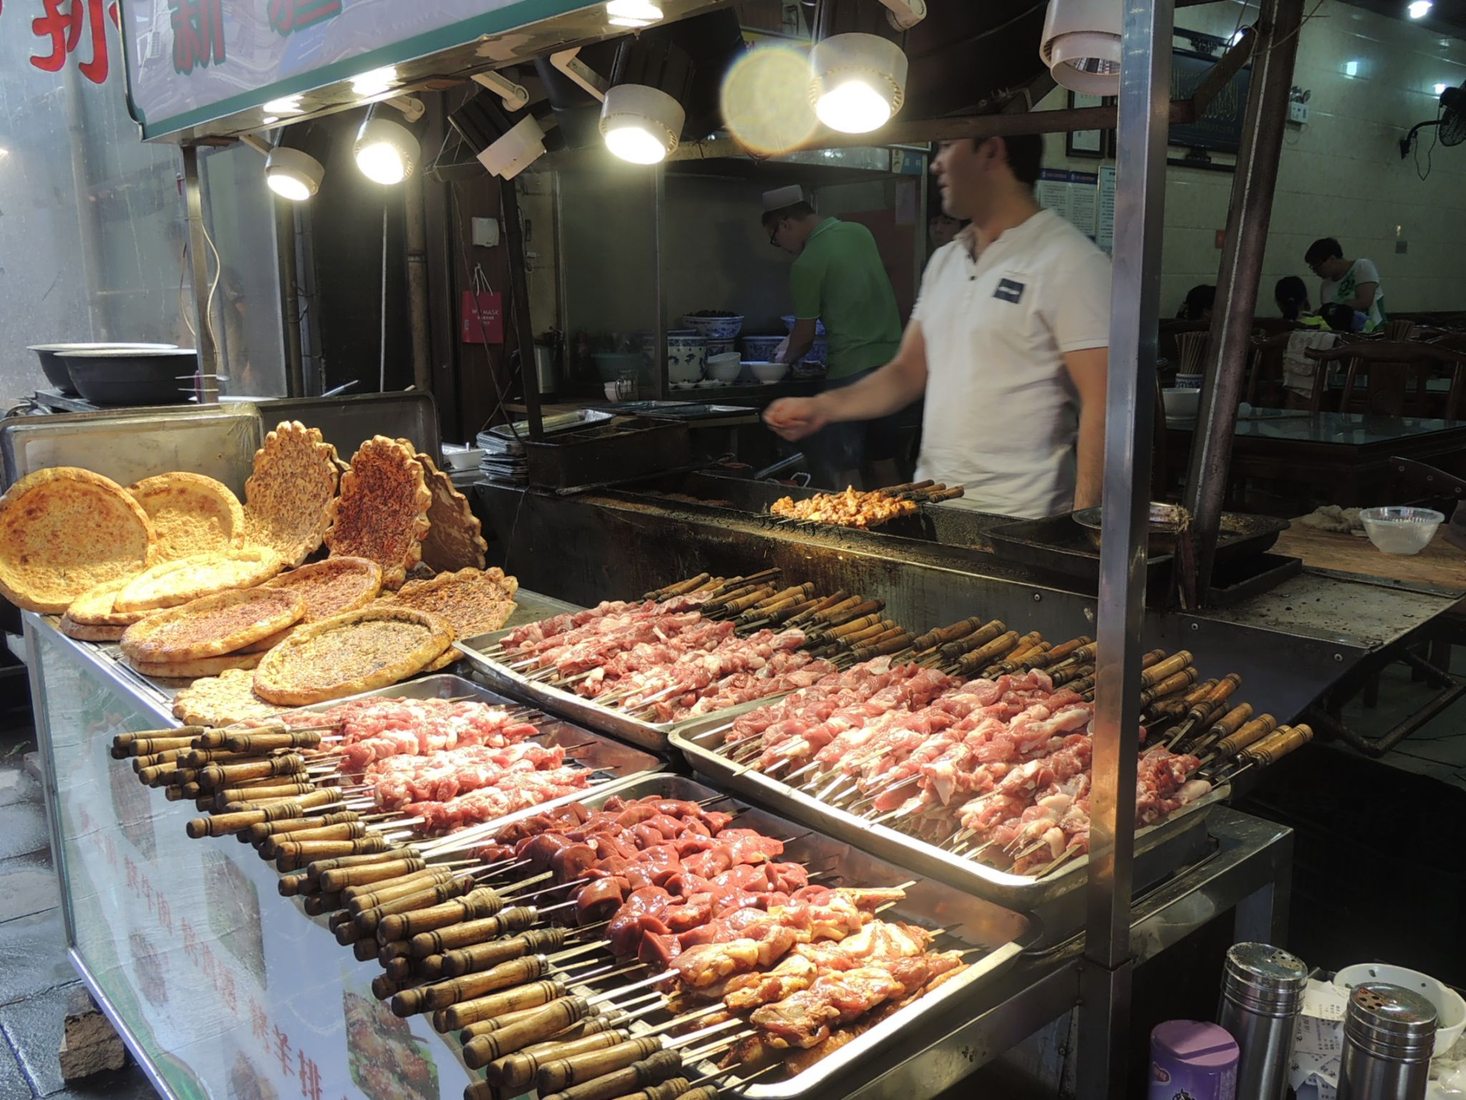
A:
{"points": [[1440, 565], [1305, 459]]}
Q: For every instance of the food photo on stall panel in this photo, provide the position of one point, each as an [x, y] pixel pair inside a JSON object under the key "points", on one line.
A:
{"points": [[673, 549]]}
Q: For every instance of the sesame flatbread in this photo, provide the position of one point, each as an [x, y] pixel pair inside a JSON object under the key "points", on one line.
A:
{"points": [[212, 626], [96, 606], [65, 530], [382, 512], [86, 632], [332, 587], [359, 651], [222, 700], [286, 499], [174, 583], [197, 669], [191, 514], [455, 538], [471, 601]]}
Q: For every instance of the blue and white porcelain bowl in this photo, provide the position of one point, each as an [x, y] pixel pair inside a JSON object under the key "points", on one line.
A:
{"points": [[687, 355], [721, 347], [715, 328], [819, 351], [789, 319], [761, 348]]}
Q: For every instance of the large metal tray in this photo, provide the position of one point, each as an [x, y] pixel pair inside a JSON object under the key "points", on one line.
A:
{"points": [[1159, 849], [349, 420], [972, 920], [653, 736]]}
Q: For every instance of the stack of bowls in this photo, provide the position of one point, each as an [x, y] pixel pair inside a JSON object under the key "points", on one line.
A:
{"points": [[56, 370], [687, 355], [761, 349], [714, 325]]}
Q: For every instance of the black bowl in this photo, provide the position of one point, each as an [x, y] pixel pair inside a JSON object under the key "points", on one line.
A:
{"points": [[122, 376], [55, 369]]}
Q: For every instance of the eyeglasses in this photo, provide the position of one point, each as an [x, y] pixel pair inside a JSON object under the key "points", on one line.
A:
{"points": [[774, 234]]}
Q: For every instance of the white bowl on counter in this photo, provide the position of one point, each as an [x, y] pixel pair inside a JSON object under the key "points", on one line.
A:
{"points": [[1400, 530], [768, 373], [1450, 1008], [725, 367]]}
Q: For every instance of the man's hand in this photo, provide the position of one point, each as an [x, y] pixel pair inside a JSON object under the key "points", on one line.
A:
{"points": [[794, 418]]}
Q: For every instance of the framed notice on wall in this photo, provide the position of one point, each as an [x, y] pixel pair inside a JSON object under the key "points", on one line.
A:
{"points": [[1084, 143], [1220, 126]]}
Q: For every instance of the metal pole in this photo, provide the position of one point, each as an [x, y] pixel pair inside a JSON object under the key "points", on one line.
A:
{"points": [[1144, 112], [198, 250], [285, 215], [519, 298], [1247, 226], [660, 389], [417, 283]]}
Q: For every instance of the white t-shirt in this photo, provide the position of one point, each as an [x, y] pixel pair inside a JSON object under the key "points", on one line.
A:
{"points": [[1001, 415], [1343, 290]]}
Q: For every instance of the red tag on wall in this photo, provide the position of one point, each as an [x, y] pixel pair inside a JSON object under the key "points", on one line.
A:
{"points": [[482, 320]]}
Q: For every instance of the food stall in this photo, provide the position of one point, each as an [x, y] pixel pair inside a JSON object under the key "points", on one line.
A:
{"points": [[222, 986]]}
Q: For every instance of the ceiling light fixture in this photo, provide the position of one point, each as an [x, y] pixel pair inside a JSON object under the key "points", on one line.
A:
{"points": [[1081, 45], [633, 13], [859, 81], [386, 151], [641, 124], [1419, 9], [292, 174], [505, 140], [1440, 88], [375, 81]]}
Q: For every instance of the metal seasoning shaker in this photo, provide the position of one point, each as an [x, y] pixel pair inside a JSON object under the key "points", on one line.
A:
{"points": [[1389, 1036], [1262, 993]]}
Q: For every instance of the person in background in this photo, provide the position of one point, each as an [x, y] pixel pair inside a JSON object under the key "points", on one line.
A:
{"points": [[1352, 283], [1198, 303], [838, 278], [1291, 295], [941, 230], [1009, 341]]}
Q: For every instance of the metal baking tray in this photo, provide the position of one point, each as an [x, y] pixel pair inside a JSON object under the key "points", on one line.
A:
{"points": [[972, 920], [349, 420], [1159, 848], [652, 736]]}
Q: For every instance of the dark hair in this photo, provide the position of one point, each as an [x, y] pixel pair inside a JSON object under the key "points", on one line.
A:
{"points": [[800, 209], [1325, 248], [1025, 156], [1199, 299], [1291, 294], [1338, 316]]}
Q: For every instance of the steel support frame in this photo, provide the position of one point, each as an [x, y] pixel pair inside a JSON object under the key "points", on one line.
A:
{"points": [[1246, 240], [1144, 114], [198, 252]]}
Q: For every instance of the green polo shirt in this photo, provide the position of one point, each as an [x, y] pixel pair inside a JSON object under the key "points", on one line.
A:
{"points": [[839, 278]]}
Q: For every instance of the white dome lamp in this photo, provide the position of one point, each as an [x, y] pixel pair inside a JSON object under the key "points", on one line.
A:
{"points": [[386, 151], [292, 174], [641, 124], [859, 81], [1081, 45]]}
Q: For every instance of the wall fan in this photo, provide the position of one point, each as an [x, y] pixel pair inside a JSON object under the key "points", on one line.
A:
{"points": [[1451, 122]]}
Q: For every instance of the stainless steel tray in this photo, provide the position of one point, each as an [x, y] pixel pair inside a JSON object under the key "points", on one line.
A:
{"points": [[653, 736], [974, 921], [1159, 848]]}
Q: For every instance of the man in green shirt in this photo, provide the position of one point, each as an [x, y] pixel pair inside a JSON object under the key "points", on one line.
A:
{"points": [[838, 278]]}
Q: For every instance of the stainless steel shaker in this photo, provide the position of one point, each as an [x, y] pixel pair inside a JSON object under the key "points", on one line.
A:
{"points": [[1389, 1036], [1262, 994]]}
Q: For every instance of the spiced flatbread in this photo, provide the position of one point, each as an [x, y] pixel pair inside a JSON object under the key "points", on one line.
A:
{"points": [[191, 514], [87, 632], [96, 606], [382, 512], [65, 530], [332, 587], [455, 538], [212, 626], [471, 601], [359, 651], [179, 582], [197, 669], [286, 499], [222, 700]]}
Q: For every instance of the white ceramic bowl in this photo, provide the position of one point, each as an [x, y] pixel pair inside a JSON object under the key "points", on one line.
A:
{"points": [[1400, 530], [725, 367], [768, 373], [1450, 1008], [1181, 402]]}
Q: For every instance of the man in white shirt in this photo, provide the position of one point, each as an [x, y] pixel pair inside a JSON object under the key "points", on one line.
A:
{"points": [[1008, 341], [1352, 283]]}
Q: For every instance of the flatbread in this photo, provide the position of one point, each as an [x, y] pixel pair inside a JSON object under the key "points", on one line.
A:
{"points": [[95, 606], [222, 700], [197, 669], [86, 632], [174, 583], [191, 514], [332, 587], [212, 626], [286, 499], [472, 601], [264, 645], [455, 538], [359, 651], [382, 512], [65, 530]]}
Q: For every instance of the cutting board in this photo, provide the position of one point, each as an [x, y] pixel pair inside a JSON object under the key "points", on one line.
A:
{"points": [[1440, 564]]}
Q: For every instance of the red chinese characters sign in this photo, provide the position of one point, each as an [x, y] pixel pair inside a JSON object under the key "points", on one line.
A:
{"points": [[289, 16], [198, 33], [62, 25]]}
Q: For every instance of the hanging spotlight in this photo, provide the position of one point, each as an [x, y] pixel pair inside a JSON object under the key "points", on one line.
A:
{"points": [[859, 81], [641, 124], [1419, 9], [506, 142], [1081, 45], [386, 151], [292, 174], [633, 13]]}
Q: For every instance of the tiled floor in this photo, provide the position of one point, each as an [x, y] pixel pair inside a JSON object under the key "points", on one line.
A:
{"points": [[36, 979]]}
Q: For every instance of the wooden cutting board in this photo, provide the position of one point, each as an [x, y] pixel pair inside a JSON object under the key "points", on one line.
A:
{"points": [[1439, 564]]}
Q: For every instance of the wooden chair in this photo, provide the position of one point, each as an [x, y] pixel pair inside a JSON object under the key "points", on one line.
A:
{"points": [[1265, 370], [1390, 365], [1399, 330]]}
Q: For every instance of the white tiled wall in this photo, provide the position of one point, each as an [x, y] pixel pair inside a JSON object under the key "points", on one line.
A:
{"points": [[1341, 175]]}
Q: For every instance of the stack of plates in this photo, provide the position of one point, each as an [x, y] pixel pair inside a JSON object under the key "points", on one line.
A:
{"points": [[503, 446]]}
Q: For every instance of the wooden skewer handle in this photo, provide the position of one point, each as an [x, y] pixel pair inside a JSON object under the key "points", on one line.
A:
{"points": [[462, 946], [980, 637], [516, 1072], [229, 823], [942, 635], [345, 830], [891, 644], [541, 1024], [1164, 669], [861, 609], [336, 878], [1171, 685], [482, 956], [317, 904], [435, 893], [1064, 651], [985, 655], [635, 1076], [488, 1027], [493, 1005], [853, 626], [475, 905], [1250, 734], [360, 898], [681, 588], [265, 829], [572, 1069], [743, 603], [1230, 722], [217, 775], [303, 851], [1279, 745], [253, 798], [145, 746], [439, 995], [269, 742]]}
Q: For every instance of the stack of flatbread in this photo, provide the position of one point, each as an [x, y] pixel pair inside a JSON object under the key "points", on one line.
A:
{"points": [[470, 601]]}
